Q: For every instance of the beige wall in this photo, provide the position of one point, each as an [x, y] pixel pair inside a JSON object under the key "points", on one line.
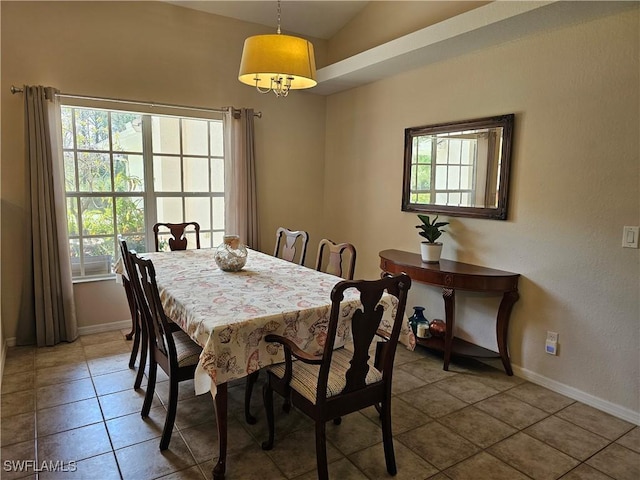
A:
{"points": [[156, 52], [383, 21], [575, 184]]}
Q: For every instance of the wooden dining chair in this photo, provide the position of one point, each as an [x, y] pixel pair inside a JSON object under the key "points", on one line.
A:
{"points": [[178, 239], [331, 257], [139, 333], [169, 346], [291, 244], [338, 382]]}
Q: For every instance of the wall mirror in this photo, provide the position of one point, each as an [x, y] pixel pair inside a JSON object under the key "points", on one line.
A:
{"points": [[459, 168]]}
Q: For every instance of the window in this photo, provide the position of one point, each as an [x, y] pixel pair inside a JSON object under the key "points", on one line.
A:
{"points": [[125, 171]]}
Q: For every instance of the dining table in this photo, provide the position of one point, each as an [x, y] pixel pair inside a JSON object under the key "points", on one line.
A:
{"points": [[229, 313]]}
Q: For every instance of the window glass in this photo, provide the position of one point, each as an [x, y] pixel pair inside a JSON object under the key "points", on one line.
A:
{"points": [[111, 179]]}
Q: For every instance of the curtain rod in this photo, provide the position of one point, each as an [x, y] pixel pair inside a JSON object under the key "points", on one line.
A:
{"points": [[15, 90]]}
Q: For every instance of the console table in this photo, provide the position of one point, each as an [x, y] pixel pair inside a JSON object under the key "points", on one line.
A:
{"points": [[452, 276]]}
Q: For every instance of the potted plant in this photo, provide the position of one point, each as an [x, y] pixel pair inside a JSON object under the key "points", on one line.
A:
{"points": [[431, 231]]}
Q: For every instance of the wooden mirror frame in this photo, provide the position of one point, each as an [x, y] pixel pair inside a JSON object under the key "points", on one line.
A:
{"points": [[497, 213]]}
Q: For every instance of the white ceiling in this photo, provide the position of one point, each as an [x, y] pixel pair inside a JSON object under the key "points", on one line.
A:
{"points": [[312, 18]]}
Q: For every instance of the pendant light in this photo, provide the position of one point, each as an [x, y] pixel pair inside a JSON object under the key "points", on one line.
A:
{"points": [[278, 63]]}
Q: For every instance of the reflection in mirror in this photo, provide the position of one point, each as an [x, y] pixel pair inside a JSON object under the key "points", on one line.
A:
{"points": [[459, 169]]}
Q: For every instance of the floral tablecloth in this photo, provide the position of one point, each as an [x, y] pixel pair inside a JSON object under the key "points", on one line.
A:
{"points": [[229, 313]]}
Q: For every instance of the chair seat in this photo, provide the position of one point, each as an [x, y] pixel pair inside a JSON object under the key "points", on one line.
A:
{"points": [[304, 377], [188, 351]]}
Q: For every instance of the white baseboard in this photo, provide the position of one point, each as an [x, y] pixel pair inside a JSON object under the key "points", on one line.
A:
{"points": [[586, 398], [104, 327], [88, 330]]}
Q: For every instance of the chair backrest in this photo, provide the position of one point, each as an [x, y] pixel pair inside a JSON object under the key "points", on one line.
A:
{"points": [[365, 323], [145, 288], [178, 239], [286, 245], [334, 253]]}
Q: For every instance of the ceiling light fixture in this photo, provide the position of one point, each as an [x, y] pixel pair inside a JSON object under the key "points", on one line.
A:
{"points": [[278, 63]]}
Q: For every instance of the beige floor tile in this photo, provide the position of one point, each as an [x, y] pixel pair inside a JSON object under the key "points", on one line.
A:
{"points": [[496, 378], [466, 388], [20, 353], [50, 357], [425, 369], [483, 467], [354, 433], [478, 427], [18, 428], [567, 437], [131, 429], [250, 463], [18, 402], [100, 467], [194, 411], [595, 421], [62, 374], [53, 395], [124, 403], [192, 473], [404, 381], [18, 382], [107, 349], [103, 337], [186, 390], [76, 444], [295, 454], [403, 416], [631, 440], [68, 416], [409, 465], [285, 423], [585, 472], [13, 459], [510, 410], [342, 469], [540, 397], [203, 439], [403, 355], [24, 363], [156, 463], [618, 462], [438, 445], [432, 401], [538, 459], [102, 366], [116, 381]]}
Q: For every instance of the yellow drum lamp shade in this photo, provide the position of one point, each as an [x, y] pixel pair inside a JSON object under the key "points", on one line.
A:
{"points": [[278, 58]]}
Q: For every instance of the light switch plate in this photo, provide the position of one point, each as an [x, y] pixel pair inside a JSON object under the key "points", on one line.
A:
{"points": [[630, 237]]}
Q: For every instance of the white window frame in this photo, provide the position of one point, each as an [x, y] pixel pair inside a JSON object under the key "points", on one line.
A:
{"points": [[209, 236]]}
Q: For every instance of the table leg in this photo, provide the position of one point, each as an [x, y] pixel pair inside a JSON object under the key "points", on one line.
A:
{"points": [[502, 327], [449, 296], [221, 420]]}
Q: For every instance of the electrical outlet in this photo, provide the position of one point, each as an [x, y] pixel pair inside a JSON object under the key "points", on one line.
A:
{"points": [[552, 336]]}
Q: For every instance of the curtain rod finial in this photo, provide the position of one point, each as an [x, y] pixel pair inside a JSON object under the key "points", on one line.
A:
{"points": [[15, 89]]}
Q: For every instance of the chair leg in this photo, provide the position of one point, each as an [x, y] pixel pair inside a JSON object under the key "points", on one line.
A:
{"points": [[151, 387], [136, 344], [171, 414], [321, 450], [144, 343], [387, 437], [267, 395], [251, 381]]}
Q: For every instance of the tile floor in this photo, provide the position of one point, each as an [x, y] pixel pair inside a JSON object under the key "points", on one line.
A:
{"points": [[75, 402]]}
